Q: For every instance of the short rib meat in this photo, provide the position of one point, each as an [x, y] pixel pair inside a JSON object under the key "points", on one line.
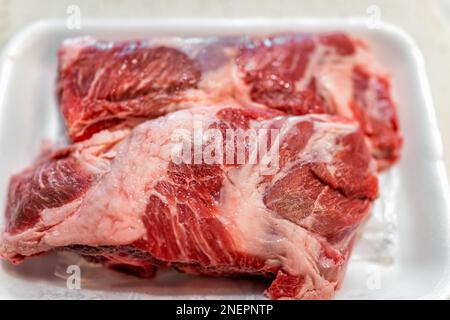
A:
{"points": [[104, 84], [119, 197]]}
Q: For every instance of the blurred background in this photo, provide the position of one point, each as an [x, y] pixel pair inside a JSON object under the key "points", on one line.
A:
{"points": [[427, 21]]}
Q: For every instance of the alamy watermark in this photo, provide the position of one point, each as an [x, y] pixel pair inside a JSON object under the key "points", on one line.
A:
{"points": [[73, 21], [73, 282], [373, 13], [373, 280], [227, 147]]}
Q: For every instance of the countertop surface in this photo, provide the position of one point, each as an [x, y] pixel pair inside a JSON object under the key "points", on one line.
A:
{"points": [[428, 22]]}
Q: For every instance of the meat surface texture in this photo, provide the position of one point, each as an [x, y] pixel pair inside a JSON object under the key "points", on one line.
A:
{"points": [[123, 198], [104, 84]]}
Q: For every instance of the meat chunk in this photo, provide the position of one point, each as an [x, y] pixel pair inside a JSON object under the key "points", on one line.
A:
{"points": [[104, 84], [325, 73], [125, 199], [101, 84]]}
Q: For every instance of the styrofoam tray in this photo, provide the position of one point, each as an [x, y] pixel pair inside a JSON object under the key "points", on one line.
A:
{"points": [[415, 190]]}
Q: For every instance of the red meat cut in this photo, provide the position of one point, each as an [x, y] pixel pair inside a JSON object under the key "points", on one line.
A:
{"points": [[121, 198], [104, 84]]}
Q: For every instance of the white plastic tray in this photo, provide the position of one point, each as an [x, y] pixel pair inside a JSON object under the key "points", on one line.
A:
{"points": [[415, 191]]}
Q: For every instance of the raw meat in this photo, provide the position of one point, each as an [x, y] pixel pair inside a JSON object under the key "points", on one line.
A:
{"points": [[104, 84], [328, 73], [124, 198]]}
